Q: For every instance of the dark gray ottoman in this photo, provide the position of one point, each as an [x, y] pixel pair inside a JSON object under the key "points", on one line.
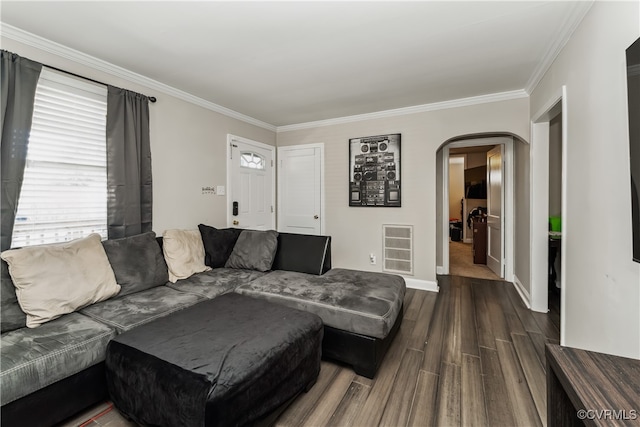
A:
{"points": [[226, 361]]}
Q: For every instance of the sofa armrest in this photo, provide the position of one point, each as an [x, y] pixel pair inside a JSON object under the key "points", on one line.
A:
{"points": [[303, 253]]}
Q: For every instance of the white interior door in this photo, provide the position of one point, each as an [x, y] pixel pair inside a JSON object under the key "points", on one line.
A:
{"points": [[495, 218], [300, 189], [251, 185]]}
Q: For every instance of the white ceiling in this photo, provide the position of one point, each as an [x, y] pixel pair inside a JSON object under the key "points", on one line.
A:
{"points": [[285, 63]]}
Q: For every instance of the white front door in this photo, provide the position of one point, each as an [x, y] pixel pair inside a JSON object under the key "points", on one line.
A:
{"points": [[251, 176], [495, 202], [300, 189]]}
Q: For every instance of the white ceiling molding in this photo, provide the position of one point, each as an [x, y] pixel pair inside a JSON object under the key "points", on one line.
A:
{"points": [[571, 23], [49, 46], [463, 102], [577, 12]]}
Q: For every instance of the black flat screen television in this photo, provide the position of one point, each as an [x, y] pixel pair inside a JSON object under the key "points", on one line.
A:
{"points": [[633, 95], [475, 183]]}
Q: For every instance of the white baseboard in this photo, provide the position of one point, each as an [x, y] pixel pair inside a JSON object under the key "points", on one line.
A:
{"points": [[424, 285], [524, 294], [439, 269], [468, 240]]}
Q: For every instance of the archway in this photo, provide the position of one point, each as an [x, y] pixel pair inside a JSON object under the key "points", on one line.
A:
{"points": [[509, 141]]}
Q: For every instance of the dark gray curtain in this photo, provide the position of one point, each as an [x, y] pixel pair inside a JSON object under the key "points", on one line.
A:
{"points": [[129, 197], [19, 78]]}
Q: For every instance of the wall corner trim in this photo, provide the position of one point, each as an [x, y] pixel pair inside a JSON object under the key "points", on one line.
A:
{"points": [[524, 294], [424, 285], [570, 24]]}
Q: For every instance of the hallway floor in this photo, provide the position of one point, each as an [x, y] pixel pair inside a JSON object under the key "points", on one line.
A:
{"points": [[461, 263]]}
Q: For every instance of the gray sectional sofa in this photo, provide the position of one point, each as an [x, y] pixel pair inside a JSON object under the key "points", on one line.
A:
{"points": [[52, 371]]}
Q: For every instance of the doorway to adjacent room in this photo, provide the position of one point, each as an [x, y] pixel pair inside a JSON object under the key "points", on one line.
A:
{"points": [[469, 231], [482, 207]]}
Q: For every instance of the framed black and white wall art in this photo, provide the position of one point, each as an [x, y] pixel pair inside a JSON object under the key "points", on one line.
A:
{"points": [[374, 171]]}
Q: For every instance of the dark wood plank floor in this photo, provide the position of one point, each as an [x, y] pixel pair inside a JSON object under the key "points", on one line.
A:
{"points": [[472, 354]]}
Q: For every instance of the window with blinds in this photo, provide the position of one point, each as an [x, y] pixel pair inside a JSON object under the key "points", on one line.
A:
{"points": [[64, 192]]}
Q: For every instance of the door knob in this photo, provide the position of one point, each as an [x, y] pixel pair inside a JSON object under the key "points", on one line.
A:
{"points": [[316, 217], [236, 222]]}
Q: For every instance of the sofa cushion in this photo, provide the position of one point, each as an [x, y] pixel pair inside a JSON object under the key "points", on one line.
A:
{"points": [[129, 311], [303, 253], [361, 302], [35, 358], [184, 253], [137, 262], [218, 244], [56, 279], [12, 317], [254, 250], [216, 282]]}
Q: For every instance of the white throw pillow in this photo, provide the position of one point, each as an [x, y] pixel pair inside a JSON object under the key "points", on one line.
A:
{"points": [[184, 253], [56, 279]]}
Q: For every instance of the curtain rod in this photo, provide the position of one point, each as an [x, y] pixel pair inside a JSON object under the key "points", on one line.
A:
{"points": [[151, 98]]}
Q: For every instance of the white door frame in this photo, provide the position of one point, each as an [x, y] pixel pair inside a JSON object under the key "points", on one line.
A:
{"points": [[444, 268], [539, 200], [319, 145], [508, 212], [230, 139]]}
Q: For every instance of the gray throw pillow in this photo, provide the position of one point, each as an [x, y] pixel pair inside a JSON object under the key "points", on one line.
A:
{"points": [[254, 250], [137, 262], [12, 316]]}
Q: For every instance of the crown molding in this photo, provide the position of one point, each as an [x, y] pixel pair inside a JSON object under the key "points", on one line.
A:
{"points": [[456, 103], [76, 56], [572, 21]]}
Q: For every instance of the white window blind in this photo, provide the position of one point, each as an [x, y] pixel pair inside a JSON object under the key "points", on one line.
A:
{"points": [[64, 192]]}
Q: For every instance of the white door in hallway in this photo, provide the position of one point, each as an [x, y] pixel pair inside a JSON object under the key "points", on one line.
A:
{"points": [[251, 184], [495, 218], [300, 189]]}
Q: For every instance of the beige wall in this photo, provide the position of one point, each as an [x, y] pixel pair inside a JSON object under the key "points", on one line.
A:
{"points": [[602, 286], [522, 238], [475, 160], [358, 231], [188, 146]]}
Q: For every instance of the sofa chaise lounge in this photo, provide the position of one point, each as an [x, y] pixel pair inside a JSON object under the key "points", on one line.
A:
{"points": [[52, 371]]}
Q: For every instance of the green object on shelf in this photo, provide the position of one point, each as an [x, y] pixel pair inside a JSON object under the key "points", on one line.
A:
{"points": [[556, 223]]}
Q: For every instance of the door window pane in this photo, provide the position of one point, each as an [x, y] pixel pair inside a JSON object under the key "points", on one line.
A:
{"points": [[252, 161]]}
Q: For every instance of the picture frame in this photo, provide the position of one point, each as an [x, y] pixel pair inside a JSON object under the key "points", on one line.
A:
{"points": [[374, 171]]}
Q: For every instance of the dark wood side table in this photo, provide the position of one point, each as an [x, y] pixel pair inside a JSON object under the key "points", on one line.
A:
{"points": [[588, 388]]}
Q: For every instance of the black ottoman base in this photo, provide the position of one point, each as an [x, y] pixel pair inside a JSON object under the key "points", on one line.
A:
{"points": [[227, 361]]}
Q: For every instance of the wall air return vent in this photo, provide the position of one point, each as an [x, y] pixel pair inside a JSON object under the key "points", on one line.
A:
{"points": [[398, 248]]}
